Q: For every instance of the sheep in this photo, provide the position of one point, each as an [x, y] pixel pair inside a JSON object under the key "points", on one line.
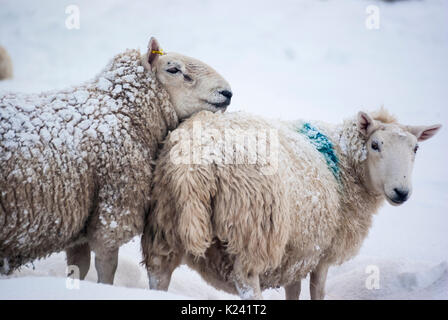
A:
{"points": [[5, 64], [253, 204], [76, 165]]}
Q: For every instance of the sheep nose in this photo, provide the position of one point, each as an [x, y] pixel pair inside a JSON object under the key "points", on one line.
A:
{"points": [[401, 195], [226, 93]]}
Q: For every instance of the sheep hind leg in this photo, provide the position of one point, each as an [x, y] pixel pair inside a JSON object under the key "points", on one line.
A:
{"points": [[106, 264], [247, 283], [79, 256], [292, 291], [317, 281]]}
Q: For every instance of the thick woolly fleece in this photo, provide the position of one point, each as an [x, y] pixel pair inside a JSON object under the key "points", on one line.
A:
{"points": [[280, 225], [76, 165]]}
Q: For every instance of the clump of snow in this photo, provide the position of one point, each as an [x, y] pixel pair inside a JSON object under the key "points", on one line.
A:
{"points": [[81, 96], [104, 84], [343, 144], [117, 89], [246, 293], [400, 132]]}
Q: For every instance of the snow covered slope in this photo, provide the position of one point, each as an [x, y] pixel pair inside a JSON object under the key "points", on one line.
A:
{"points": [[287, 59]]}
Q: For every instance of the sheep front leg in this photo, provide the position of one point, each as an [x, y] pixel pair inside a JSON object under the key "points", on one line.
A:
{"points": [[292, 290], [317, 281], [247, 283], [159, 281], [79, 256], [160, 268], [106, 264]]}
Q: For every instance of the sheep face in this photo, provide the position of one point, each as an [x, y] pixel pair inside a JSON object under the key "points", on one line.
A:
{"points": [[391, 150], [192, 85]]}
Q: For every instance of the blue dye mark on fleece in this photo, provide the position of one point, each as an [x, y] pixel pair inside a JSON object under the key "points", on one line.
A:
{"points": [[324, 146]]}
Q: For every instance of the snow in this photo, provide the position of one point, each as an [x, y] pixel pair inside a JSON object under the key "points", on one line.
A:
{"points": [[104, 84], [289, 60], [30, 288], [117, 89], [81, 96], [398, 279]]}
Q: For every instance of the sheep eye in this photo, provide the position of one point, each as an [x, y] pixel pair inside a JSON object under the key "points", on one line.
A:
{"points": [[416, 148], [187, 78], [173, 70], [375, 146]]}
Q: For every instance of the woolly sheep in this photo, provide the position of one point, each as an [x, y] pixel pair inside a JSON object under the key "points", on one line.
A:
{"points": [[252, 204], [5, 64], [76, 165]]}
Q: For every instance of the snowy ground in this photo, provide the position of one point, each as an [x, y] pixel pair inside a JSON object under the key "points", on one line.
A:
{"points": [[286, 59]]}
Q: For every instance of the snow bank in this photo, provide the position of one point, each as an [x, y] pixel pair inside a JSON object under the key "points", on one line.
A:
{"points": [[398, 279], [49, 288]]}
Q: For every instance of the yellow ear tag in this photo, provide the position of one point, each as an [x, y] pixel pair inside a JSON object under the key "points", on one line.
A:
{"points": [[160, 52]]}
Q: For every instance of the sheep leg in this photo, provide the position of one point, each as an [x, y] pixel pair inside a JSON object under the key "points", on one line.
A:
{"points": [[317, 281], [160, 281], [247, 283], [292, 291], [160, 268], [106, 264], [79, 256]]}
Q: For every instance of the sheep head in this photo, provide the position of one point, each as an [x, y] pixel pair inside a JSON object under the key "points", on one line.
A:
{"points": [[391, 150], [193, 86]]}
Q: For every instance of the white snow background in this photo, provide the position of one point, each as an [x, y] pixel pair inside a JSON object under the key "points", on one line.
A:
{"points": [[285, 59]]}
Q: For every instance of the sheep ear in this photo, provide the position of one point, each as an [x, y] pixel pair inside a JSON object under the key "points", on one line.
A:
{"points": [[153, 45], [424, 132], [365, 123]]}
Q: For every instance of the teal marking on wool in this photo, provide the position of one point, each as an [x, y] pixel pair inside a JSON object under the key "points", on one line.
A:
{"points": [[324, 146]]}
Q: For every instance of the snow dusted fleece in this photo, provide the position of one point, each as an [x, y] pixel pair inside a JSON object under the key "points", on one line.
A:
{"points": [[71, 158], [282, 225]]}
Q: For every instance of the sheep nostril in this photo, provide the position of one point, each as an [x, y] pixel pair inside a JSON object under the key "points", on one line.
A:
{"points": [[401, 195], [226, 94]]}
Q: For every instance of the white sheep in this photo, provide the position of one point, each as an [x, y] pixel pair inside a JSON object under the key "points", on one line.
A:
{"points": [[252, 204], [76, 165], [5, 64]]}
